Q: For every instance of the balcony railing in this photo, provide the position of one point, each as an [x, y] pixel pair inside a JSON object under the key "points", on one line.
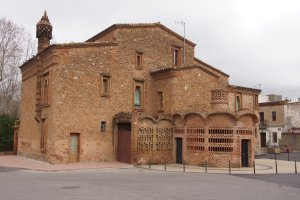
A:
{"points": [[263, 124]]}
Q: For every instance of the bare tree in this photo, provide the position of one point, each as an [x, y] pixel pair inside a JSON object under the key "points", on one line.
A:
{"points": [[15, 47]]}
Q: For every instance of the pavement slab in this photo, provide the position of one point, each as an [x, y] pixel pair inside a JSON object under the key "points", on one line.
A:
{"points": [[12, 161]]}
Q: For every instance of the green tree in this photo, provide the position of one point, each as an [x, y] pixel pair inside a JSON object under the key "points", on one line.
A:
{"points": [[6, 133]]}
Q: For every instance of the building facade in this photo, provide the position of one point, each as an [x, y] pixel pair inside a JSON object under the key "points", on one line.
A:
{"points": [[279, 123], [271, 114], [133, 93]]}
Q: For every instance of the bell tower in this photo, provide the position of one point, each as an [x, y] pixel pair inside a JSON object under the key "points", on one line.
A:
{"points": [[43, 32]]}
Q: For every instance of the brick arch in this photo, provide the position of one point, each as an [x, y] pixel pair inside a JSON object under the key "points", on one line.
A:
{"points": [[164, 122], [194, 120], [178, 121], [147, 117], [146, 121], [122, 117], [223, 119], [247, 120]]}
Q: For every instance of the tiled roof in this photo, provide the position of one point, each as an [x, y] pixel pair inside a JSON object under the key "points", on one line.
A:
{"points": [[210, 67], [274, 103], [158, 70], [236, 87], [139, 25]]}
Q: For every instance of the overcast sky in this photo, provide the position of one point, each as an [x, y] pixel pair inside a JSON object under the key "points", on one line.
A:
{"points": [[254, 41]]}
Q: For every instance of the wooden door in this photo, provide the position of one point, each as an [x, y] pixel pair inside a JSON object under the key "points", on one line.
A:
{"points": [[74, 147], [179, 150], [124, 143]]}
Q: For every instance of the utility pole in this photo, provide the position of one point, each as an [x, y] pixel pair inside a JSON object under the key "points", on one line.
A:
{"points": [[183, 24]]}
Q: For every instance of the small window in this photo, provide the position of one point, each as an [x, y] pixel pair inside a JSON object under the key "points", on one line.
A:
{"points": [[274, 137], [177, 56], [45, 89], [103, 127], [273, 115], [138, 95], [238, 102], [262, 117], [105, 85], [139, 60], [160, 101]]}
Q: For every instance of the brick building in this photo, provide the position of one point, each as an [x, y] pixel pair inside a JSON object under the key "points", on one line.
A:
{"points": [[133, 93]]}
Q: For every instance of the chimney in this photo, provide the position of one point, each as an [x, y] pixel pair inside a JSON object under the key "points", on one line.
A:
{"points": [[43, 32]]}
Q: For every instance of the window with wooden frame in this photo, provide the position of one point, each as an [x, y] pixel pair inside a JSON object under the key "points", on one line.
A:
{"points": [[238, 101], [139, 93], [177, 61], [45, 89], [160, 101], [105, 85], [139, 60]]}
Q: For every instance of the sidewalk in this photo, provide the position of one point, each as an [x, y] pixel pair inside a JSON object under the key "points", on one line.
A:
{"points": [[30, 164], [262, 166]]}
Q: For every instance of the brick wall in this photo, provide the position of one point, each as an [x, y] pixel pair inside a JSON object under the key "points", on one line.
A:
{"points": [[77, 105]]}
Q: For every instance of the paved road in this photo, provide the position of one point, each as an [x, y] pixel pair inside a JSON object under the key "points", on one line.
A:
{"points": [[8, 169], [282, 156], [289, 180], [134, 183]]}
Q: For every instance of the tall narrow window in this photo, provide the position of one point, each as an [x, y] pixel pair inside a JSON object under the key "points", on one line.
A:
{"points": [[139, 60], [105, 85], [43, 136], [138, 95], [273, 115], [177, 56], [238, 102], [45, 89], [262, 117], [160, 101], [103, 126]]}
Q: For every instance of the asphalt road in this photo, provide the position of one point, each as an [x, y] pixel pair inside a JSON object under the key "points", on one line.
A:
{"points": [[131, 184], [281, 156], [289, 180]]}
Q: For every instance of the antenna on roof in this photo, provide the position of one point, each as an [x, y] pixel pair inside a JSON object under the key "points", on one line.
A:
{"points": [[183, 24]]}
